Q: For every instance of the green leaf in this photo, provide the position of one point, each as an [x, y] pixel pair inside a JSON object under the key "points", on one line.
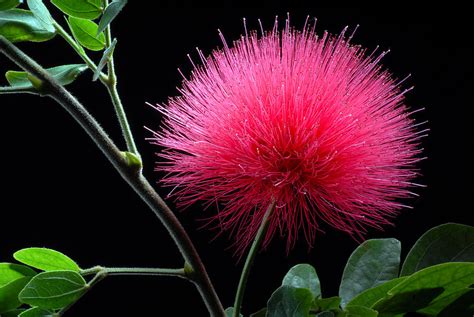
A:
{"points": [[450, 242], [230, 311], [104, 60], [261, 313], [10, 272], [409, 301], [8, 4], [360, 311], [45, 259], [13, 313], [374, 262], [9, 294], [443, 301], [370, 296], [110, 13], [303, 276], [64, 74], [18, 79], [330, 303], [463, 306], [289, 301], [37, 312], [85, 32], [325, 314], [85, 9], [431, 286], [53, 290], [19, 25], [41, 13]]}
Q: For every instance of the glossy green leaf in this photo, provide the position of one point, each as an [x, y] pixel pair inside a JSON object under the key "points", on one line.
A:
{"points": [[463, 306], [261, 313], [41, 13], [370, 296], [360, 311], [9, 294], [46, 259], [85, 32], [53, 290], [427, 288], [230, 311], [64, 74], [450, 242], [104, 60], [289, 301], [19, 25], [303, 276], [330, 303], [110, 13], [13, 313], [10, 272], [373, 263], [85, 9], [8, 4], [37, 312]]}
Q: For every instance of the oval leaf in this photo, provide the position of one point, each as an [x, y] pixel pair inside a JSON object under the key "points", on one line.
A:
{"points": [[289, 301], [428, 287], [64, 74], [85, 9], [450, 242], [9, 294], [53, 290], [8, 4], [374, 262], [18, 25], [46, 259], [36, 312], [372, 295], [85, 32], [10, 272], [303, 276], [110, 13], [42, 14]]}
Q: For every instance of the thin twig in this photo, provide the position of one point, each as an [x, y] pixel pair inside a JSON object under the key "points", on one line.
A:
{"points": [[135, 179]]}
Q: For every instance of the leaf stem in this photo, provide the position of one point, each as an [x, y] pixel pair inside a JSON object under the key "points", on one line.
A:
{"points": [[111, 84], [78, 48], [197, 272], [257, 242], [134, 271], [17, 90]]}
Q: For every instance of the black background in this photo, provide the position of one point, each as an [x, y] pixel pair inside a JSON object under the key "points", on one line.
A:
{"points": [[60, 192]]}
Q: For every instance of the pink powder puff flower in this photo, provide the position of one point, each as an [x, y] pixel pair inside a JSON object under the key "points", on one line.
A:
{"points": [[312, 122]]}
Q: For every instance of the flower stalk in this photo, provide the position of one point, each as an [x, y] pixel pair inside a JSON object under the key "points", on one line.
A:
{"points": [[257, 243]]}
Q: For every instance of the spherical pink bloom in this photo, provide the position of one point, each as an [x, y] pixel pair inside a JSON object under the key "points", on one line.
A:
{"points": [[313, 122]]}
